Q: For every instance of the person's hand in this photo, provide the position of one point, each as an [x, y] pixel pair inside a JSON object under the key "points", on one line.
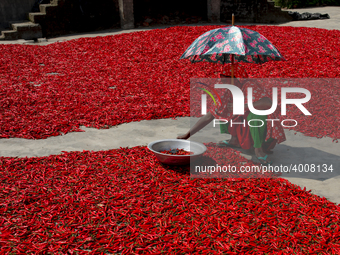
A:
{"points": [[186, 136]]}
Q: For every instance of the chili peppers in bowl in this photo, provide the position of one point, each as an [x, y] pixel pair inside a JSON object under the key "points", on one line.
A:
{"points": [[176, 151]]}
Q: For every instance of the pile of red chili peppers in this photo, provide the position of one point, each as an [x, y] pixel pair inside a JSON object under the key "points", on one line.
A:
{"points": [[83, 202], [124, 200], [105, 81]]}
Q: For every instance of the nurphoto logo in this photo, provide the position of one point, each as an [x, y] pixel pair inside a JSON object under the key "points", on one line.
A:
{"points": [[238, 103]]}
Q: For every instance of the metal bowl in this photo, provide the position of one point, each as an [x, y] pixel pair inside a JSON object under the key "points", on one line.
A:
{"points": [[168, 144]]}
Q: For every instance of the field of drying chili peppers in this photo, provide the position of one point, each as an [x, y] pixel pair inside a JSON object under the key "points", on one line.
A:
{"points": [[124, 200], [105, 81]]}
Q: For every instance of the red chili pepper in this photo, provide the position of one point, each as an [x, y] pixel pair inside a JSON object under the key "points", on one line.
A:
{"points": [[177, 152], [42, 94]]}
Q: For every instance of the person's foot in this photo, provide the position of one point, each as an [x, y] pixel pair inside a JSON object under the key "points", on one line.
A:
{"points": [[233, 142], [262, 156], [268, 151], [266, 148]]}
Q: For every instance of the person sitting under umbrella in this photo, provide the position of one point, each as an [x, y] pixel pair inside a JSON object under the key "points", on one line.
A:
{"points": [[263, 139]]}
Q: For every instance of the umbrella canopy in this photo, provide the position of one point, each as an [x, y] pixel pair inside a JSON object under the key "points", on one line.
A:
{"points": [[231, 43]]}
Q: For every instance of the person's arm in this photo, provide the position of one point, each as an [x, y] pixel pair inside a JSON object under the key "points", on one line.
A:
{"points": [[262, 104], [201, 123]]}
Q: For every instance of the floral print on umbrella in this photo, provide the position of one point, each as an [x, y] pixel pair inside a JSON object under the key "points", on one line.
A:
{"points": [[246, 45]]}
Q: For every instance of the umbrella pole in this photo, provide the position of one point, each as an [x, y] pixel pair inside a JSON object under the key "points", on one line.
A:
{"points": [[232, 69], [232, 55]]}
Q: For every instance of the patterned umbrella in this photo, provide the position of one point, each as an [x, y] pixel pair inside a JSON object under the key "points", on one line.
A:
{"points": [[232, 44]]}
